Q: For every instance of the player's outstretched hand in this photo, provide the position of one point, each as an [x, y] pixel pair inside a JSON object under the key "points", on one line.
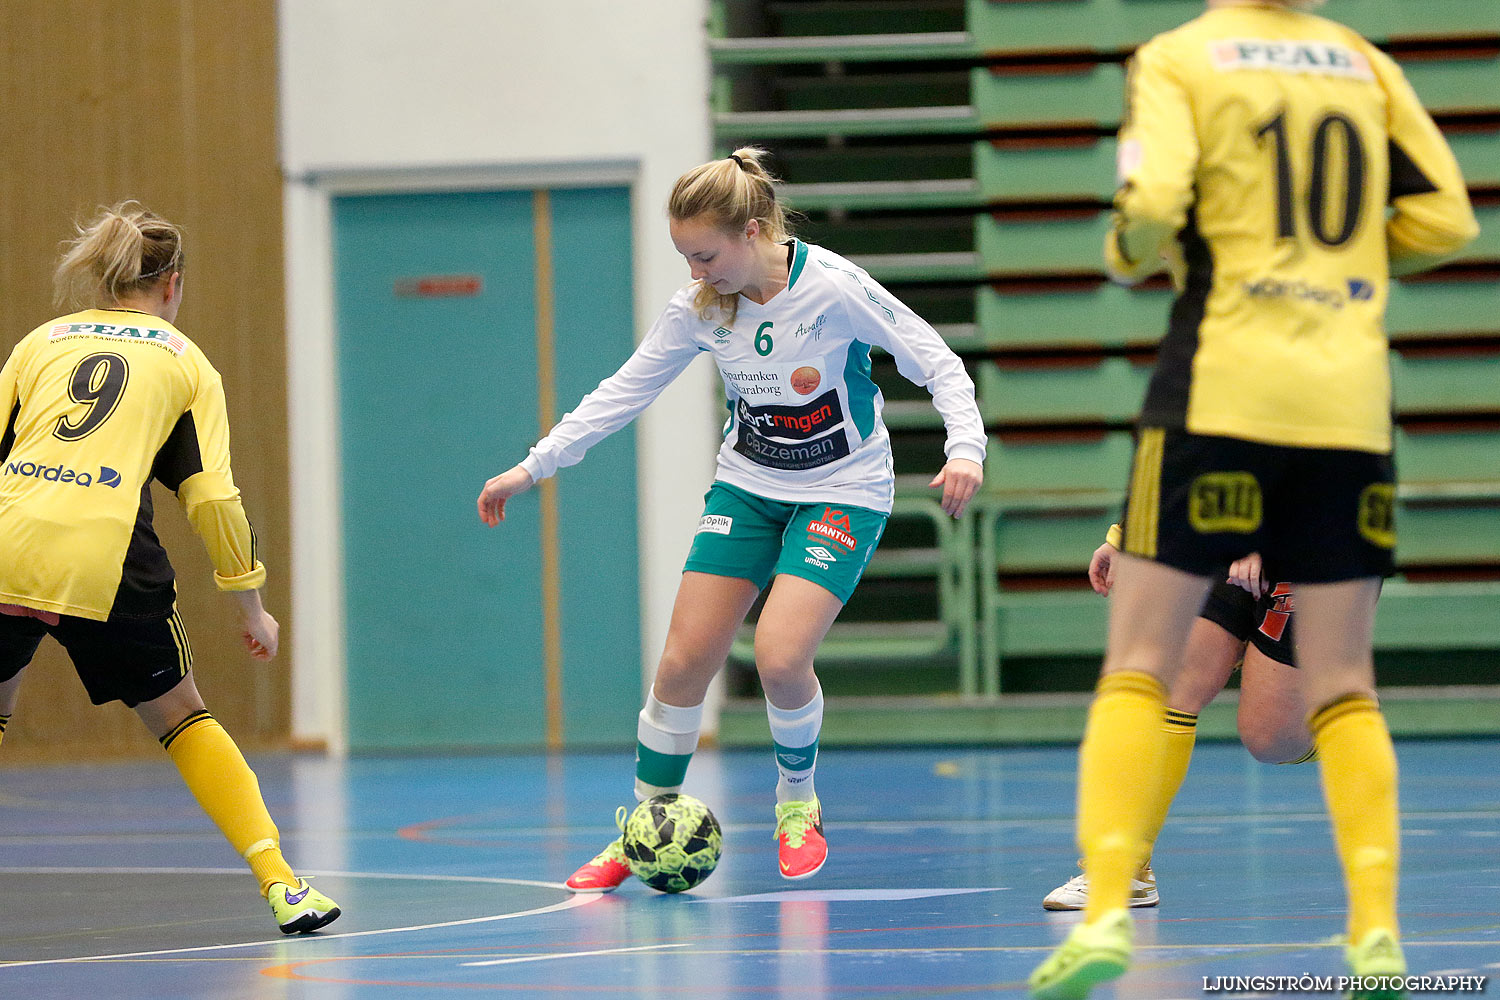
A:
{"points": [[500, 489], [1248, 574], [960, 480], [1102, 569]]}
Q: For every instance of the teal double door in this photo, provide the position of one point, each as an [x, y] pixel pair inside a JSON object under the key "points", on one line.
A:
{"points": [[466, 322]]}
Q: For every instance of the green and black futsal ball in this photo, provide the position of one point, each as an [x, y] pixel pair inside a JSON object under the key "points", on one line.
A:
{"points": [[672, 842]]}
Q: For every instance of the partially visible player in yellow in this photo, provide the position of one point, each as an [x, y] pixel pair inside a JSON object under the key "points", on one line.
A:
{"points": [[1289, 168], [98, 403]]}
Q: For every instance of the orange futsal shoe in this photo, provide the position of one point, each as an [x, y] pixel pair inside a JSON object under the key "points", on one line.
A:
{"points": [[800, 846], [604, 873], [608, 868]]}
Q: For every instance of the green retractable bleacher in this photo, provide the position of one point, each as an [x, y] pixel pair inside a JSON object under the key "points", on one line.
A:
{"points": [[1005, 27], [963, 151]]}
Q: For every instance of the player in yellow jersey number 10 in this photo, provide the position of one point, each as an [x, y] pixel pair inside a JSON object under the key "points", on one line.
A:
{"points": [[1286, 168]]}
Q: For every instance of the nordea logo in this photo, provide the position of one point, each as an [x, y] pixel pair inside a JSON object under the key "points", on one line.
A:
{"points": [[62, 474]]}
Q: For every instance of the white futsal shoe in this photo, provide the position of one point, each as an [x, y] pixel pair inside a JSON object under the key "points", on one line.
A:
{"points": [[1074, 893]]}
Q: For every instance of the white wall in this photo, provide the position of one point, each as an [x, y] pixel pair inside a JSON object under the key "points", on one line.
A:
{"points": [[466, 93]]}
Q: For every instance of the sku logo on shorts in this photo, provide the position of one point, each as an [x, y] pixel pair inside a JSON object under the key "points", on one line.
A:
{"points": [[1377, 515], [62, 474], [715, 524], [1224, 501]]}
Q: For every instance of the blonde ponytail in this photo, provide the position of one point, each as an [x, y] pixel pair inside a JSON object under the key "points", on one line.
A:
{"points": [[126, 248], [730, 192]]}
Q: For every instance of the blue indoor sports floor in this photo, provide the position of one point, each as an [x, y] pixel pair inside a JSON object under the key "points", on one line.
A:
{"points": [[449, 871]]}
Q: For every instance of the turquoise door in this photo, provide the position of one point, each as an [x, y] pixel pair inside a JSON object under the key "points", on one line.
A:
{"points": [[447, 341]]}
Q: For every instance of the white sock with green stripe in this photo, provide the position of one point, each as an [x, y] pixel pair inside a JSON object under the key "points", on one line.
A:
{"points": [[795, 733], [665, 740]]}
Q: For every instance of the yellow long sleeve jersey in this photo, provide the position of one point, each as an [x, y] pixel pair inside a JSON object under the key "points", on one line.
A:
{"points": [[100, 403], [1296, 170]]}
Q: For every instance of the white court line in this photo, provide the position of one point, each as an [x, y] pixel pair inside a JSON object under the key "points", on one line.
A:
{"points": [[76, 870], [573, 954], [581, 899]]}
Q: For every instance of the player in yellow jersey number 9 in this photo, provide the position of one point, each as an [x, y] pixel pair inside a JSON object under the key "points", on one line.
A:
{"points": [[100, 402]]}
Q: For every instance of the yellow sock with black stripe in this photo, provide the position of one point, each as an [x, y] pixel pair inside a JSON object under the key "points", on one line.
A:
{"points": [[226, 789], [1181, 729], [1119, 777], [4, 721], [1358, 765]]}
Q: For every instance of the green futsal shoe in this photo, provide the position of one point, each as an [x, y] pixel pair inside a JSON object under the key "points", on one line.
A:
{"points": [[301, 908], [1092, 954], [1378, 965]]}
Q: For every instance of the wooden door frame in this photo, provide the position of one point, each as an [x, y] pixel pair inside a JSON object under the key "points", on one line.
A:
{"points": [[319, 663]]}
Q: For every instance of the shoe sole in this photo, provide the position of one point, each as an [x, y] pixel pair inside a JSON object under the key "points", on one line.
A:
{"points": [[595, 889], [1090, 972], [309, 922], [806, 874], [1134, 904]]}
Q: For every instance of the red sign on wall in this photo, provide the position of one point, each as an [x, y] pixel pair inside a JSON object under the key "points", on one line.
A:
{"points": [[439, 286]]}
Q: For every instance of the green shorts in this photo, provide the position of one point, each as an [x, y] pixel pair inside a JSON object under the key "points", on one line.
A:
{"points": [[747, 536]]}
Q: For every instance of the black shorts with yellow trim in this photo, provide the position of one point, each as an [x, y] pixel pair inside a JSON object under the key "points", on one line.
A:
{"points": [[1264, 622], [1316, 515], [127, 660]]}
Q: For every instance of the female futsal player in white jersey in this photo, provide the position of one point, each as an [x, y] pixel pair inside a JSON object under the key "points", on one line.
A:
{"points": [[804, 482]]}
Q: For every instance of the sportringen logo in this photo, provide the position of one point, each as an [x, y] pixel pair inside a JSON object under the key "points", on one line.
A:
{"points": [[62, 474]]}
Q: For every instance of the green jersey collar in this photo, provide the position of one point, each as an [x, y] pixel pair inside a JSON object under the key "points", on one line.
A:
{"points": [[798, 259]]}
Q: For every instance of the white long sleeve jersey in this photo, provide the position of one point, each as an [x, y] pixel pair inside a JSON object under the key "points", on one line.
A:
{"points": [[804, 415]]}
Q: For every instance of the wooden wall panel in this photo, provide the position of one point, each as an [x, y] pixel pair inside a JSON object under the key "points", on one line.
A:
{"points": [[173, 103]]}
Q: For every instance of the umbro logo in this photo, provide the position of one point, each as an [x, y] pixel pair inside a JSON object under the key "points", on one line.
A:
{"points": [[820, 557]]}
